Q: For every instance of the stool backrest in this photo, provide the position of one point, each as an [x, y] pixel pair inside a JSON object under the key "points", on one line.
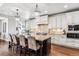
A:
{"points": [[32, 43], [17, 39], [22, 40], [11, 37], [14, 39]]}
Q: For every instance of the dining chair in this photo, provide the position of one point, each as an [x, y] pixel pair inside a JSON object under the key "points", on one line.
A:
{"points": [[23, 44], [33, 46]]}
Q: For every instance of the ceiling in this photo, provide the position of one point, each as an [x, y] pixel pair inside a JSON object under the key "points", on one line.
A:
{"points": [[26, 9]]}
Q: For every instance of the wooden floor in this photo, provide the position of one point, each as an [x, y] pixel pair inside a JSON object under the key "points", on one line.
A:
{"points": [[4, 51], [56, 50]]}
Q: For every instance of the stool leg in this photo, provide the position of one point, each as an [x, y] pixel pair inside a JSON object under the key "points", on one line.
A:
{"points": [[20, 50]]}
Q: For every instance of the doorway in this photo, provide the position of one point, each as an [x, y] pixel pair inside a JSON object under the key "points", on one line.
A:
{"points": [[4, 28]]}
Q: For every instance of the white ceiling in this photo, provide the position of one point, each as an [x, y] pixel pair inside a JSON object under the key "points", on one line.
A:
{"points": [[26, 9]]}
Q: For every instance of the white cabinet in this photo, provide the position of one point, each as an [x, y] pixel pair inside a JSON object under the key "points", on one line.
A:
{"points": [[55, 21], [33, 23], [52, 22], [43, 19], [64, 21], [76, 17], [69, 18], [73, 17], [59, 21]]}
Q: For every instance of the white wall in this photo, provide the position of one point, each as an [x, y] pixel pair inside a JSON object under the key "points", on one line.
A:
{"points": [[11, 25], [0, 25]]}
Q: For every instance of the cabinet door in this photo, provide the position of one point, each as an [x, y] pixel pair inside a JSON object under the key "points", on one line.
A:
{"points": [[69, 18], [33, 23], [64, 21], [59, 21], [75, 17], [52, 22], [43, 19]]}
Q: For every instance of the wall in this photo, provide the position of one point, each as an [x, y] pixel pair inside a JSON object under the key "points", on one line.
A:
{"points": [[11, 25], [0, 25]]}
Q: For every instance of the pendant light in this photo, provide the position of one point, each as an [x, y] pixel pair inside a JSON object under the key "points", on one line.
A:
{"points": [[36, 11], [17, 15]]}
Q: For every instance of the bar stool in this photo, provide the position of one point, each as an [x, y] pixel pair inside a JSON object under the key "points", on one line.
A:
{"points": [[23, 44], [33, 46], [11, 41], [16, 44], [14, 41]]}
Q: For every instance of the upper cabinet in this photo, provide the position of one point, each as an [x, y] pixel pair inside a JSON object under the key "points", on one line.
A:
{"points": [[73, 17], [63, 20], [52, 22], [42, 19], [58, 21]]}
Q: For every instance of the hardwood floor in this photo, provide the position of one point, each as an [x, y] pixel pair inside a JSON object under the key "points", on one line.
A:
{"points": [[4, 51], [56, 50]]}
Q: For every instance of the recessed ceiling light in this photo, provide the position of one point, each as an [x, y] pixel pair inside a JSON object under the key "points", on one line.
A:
{"points": [[17, 19], [46, 11], [65, 6], [37, 13], [1, 4]]}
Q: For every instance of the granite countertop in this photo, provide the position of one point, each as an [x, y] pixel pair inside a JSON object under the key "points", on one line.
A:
{"points": [[64, 41]]}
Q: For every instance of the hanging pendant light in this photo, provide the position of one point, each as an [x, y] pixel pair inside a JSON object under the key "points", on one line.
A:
{"points": [[17, 15], [37, 12]]}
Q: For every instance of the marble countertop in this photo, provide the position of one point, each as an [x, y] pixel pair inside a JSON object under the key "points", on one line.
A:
{"points": [[64, 41]]}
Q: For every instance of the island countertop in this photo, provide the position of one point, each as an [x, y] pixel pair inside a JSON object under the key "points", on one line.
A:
{"points": [[41, 37]]}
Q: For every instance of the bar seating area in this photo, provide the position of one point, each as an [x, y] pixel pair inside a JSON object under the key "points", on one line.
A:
{"points": [[29, 45]]}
